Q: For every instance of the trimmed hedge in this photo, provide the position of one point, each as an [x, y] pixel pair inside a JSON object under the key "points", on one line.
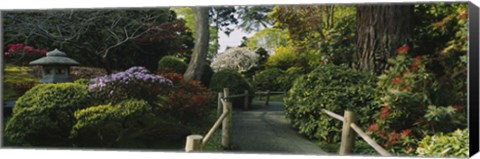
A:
{"points": [[43, 116], [111, 125], [235, 82], [171, 64]]}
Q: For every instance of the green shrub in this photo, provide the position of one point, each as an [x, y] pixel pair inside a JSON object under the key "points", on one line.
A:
{"points": [[283, 58], [82, 81], [454, 144], [234, 81], [331, 87], [17, 81], [43, 116], [131, 123], [405, 94], [110, 125], [207, 75], [271, 79], [171, 64]]}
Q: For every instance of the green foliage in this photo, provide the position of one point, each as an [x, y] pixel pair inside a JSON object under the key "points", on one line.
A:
{"points": [[283, 58], [213, 44], [454, 144], [263, 56], [406, 92], [234, 81], [207, 75], [318, 34], [272, 79], [331, 87], [171, 64], [254, 18], [339, 44], [439, 113], [435, 25], [68, 96], [189, 15], [17, 81], [112, 124], [82, 81], [268, 38], [43, 116]]}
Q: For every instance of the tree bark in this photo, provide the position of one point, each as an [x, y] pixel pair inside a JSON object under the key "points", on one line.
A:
{"points": [[200, 50], [381, 29]]}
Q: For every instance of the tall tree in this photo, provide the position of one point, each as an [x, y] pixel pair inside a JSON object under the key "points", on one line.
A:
{"points": [[380, 30], [200, 50], [254, 18], [220, 19]]}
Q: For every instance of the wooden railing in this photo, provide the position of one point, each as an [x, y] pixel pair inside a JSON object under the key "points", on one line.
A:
{"points": [[197, 142], [268, 93], [247, 97], [349, 120]]}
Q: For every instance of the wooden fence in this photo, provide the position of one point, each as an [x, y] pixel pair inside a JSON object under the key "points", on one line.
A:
{"points": [[349, 128], [197, 142], [224, 112], [246, 97], [268, 93]]}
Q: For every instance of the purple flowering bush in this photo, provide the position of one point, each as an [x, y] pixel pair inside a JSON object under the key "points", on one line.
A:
{"points": [[136, 83]]}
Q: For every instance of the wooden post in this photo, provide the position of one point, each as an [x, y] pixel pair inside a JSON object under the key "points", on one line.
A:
{"points": [[227, 122], [268, 97], [219, 104], [194, 143], [348, 134], [245, 106]]}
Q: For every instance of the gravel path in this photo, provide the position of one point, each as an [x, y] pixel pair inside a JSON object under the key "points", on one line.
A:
{"points": [[266, 130]]}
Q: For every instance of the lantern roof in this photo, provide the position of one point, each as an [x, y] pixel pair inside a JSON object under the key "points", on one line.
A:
{"points": [[55, 57]]}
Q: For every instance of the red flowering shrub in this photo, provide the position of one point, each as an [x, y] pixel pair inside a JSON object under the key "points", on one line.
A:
{"points": [[189, 100], [403, 91], [406, 92], [22, 54]]}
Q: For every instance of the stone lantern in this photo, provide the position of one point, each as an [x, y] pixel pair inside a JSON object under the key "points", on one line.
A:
{"points": [[55, 67]]}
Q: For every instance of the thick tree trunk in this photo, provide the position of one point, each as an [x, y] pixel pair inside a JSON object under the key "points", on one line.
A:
{"points": [[380, 30], [200, 51]]}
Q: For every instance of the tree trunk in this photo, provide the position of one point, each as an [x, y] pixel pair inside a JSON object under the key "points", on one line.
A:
{"points": [[104, 63], [381, 29], [200, 51]]}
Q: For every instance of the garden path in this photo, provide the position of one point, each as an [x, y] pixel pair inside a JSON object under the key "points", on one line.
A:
{"points": [[266, 130]]}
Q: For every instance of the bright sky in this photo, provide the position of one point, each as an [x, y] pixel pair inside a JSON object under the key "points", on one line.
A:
{"points": [[233, 40]]}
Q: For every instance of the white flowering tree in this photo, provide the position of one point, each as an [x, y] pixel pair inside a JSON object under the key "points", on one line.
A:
{"points": [[240, 59]]}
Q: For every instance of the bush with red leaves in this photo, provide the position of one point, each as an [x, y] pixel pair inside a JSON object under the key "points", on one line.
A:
{"points": [[189, 100]]}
